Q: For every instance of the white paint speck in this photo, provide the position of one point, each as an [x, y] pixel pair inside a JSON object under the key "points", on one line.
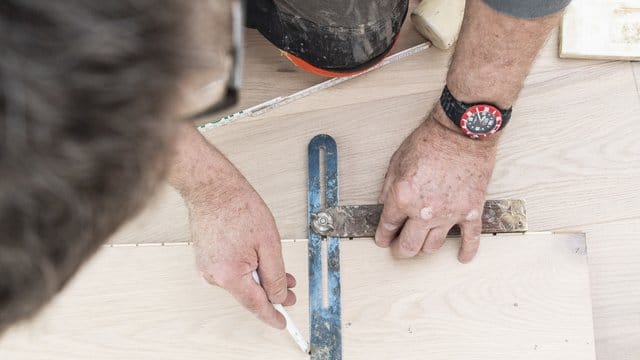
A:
{"points": [[472, 215], [426, 213]]}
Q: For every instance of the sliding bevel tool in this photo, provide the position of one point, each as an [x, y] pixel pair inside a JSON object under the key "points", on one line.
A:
{"points": [[329, 222]]}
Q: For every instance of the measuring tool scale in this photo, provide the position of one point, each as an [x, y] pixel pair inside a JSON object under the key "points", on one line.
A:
{"points": [[329, 222]]}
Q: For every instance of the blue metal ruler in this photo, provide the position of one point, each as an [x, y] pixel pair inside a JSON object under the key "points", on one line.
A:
{"points": [[324, 271]]}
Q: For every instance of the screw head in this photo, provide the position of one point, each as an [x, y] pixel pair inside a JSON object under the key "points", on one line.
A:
{"points": [[322, 223]]}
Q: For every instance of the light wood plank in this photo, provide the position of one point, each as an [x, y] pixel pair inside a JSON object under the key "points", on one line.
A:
{"points": [[524, 297], [614, 250], [601, 29], [571, 150], [636, 74]]}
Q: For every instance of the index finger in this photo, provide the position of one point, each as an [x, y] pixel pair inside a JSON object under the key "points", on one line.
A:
{"points": [[253, 297], [271, 269], [391, 220]]}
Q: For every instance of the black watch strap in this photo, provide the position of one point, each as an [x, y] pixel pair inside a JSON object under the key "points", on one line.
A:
{"points": [[455, 109]]}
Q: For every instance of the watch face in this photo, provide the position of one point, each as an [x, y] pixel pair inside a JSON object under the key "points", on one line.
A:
{"points": [[481, 121]]}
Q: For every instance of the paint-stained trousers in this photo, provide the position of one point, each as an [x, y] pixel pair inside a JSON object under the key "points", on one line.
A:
{"points": [[351, 35]]}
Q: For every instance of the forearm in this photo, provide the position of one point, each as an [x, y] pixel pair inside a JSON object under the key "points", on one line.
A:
{"points": [[494, 54], [198, 169], [439, 176]]}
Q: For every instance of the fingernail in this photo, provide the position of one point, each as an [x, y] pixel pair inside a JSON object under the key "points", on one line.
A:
{"points": [[389, 227], [429, 250], [376, 237], [377, 241]]}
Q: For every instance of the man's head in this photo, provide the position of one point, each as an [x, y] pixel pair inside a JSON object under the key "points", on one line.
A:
{"points": [[87, 117]]}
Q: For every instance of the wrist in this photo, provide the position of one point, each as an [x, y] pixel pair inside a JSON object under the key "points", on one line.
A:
{"points": [[474, 89], [200, 173], [455, 134], [494, 53]]}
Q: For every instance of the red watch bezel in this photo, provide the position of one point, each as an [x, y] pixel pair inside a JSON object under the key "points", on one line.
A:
{"points": [[477, 109]]}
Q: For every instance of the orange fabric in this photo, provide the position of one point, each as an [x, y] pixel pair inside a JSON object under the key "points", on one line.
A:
{"points": [[328, 73], [316, 70]]}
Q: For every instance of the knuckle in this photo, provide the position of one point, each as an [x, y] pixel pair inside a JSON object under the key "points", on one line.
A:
{"points": [[435, 237], [217, 273], [254, 303], [277, 289], [223, 279], [402, 194], [433, 242], [408, 246], [270, 241], [209, 279]]}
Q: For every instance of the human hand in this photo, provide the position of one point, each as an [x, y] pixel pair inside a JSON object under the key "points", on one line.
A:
{"points": [[234, 234], [437, 178]]}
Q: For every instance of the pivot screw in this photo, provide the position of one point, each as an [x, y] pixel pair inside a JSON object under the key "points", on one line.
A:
{"points": [[322, 223]]}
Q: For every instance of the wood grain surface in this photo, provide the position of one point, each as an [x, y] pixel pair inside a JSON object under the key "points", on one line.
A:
{"points": [[568, 151], [614, 250], [524, 297], [571, 152], [636, 74]]}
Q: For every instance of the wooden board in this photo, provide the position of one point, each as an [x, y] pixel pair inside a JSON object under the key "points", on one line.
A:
{"points": [[636, 74], [615, 277], [571, 152], [557, 153], [524, 297], [601, 29]]}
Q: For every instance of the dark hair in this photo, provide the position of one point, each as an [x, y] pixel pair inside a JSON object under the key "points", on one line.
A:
{"points": [[86, 126]]}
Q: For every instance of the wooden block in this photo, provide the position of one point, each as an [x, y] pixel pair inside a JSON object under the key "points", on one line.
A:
{"points": [[601, 29], [439, 21], [523, 297]]}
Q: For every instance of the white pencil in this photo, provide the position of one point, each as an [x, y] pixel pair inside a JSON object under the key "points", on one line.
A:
{"points": [[291, 327]]}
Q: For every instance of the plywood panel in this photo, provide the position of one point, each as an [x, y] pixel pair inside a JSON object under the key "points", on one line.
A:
{"points": [[524, 297], [614, 250]]}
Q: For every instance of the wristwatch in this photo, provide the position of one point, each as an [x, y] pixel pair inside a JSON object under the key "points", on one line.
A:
{"points": [[477, 120]]}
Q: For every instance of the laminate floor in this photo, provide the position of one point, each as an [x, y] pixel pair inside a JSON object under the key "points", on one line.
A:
{"points": [[571, 152], [524, 297]]}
